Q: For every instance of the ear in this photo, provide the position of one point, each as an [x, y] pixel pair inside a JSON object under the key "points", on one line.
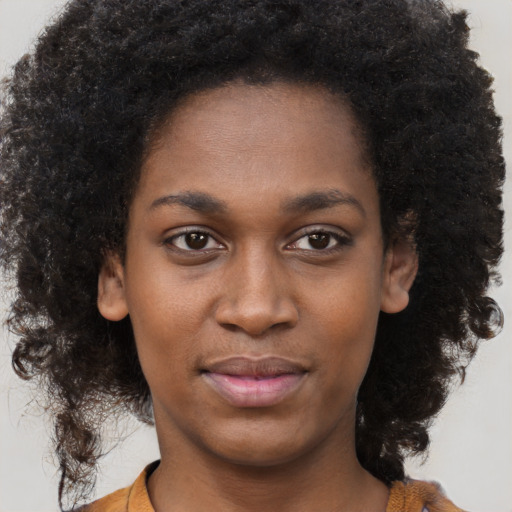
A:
{"points": [[111, 290], [400, 269]]}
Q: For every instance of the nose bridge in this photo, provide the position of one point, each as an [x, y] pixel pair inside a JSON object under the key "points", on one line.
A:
{"points": [[257, 295]]}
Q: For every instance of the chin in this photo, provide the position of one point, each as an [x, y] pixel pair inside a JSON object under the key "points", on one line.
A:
{"points": [[262, 448], [259, 458]]}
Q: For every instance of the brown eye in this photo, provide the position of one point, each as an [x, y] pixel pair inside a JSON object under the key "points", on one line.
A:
{"points": [[196, 241], [319, 240], [193, 241]]}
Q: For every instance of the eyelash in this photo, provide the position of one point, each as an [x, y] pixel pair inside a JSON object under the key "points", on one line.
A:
{"points": [[342, 240], [171, 241]]}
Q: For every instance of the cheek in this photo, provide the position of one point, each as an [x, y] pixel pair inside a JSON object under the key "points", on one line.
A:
{"points": [[163, 300], [346, 323], [350, 340], [166, 315]]}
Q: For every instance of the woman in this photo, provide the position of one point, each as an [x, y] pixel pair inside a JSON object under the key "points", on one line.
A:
{"points": [[270, 226]]}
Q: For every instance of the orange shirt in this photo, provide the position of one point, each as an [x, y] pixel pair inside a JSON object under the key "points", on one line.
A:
{"points": [[412, 496]]}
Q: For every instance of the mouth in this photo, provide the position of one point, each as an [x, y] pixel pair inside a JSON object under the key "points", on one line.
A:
{"points": [[250, 382]]}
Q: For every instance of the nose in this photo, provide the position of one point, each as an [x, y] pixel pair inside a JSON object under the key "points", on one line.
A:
{"points": [[256, 297]]}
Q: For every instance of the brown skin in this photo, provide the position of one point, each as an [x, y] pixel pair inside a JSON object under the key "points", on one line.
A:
{"points": [[257, 284]]}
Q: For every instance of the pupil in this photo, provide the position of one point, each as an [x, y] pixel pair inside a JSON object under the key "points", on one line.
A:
{"points": [[319, 240], [196, 240]]}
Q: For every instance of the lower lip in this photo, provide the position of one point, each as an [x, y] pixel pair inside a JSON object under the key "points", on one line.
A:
{"points": [[244, 391]]}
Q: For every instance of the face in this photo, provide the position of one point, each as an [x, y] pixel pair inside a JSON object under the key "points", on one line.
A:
{"points": [[255, 273]]}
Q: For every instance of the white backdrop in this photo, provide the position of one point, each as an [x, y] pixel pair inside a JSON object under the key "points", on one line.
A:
{"points": [[471, 452]]}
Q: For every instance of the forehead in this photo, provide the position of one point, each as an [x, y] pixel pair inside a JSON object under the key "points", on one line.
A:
{"points": [[268, 139], [253, 114]]}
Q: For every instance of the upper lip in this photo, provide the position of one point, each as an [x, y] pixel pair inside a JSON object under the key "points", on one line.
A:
{"points": [[255, 367]]}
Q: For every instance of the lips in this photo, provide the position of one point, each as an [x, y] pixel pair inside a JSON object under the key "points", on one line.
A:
{"points": [[249, 382]]}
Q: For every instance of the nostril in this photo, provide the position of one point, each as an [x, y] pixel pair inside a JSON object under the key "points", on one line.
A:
{"points": [[256, 305], [230, 327], [257, 324]]}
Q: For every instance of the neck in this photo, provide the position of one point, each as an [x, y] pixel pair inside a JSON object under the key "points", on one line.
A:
{"points": [[328, 479]]}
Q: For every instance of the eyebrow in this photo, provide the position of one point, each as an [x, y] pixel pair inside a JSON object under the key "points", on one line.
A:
{"points": [[319, 200], [207, 204], [198, 201]]}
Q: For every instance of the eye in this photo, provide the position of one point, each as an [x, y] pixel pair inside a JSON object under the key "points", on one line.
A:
{"points": [[193, 241], [320, 240]]}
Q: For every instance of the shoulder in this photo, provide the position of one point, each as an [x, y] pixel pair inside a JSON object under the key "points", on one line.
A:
{"points": [[418, 496], [115, 502], [134, 498]]}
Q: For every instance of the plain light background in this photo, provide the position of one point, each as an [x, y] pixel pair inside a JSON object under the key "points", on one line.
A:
{"points": [[471, 451]]}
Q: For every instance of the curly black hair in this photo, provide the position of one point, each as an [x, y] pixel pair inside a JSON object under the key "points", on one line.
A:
{"points": [[75, 123]]}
